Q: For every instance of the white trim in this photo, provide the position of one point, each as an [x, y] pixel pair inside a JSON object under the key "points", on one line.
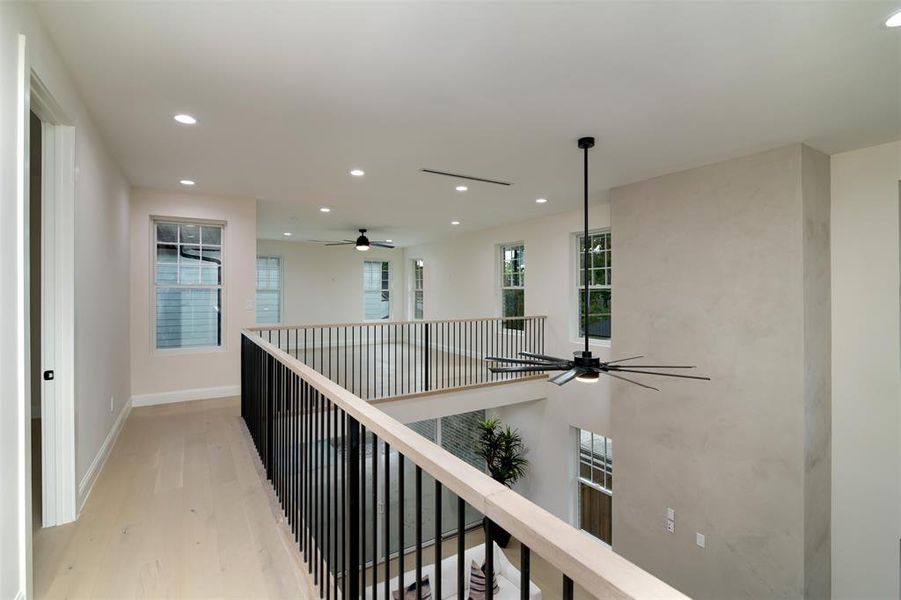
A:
{"points": [[90, 477], [185, 395]]}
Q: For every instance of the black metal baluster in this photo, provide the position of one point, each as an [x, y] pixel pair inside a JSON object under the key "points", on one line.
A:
{"points": [[375, 513], [386, 512], [335, 497], [438, 581], [461, 543], [329, 516], [353, 521], [567, 582], [524, 571], [362, 511], [489, 561], [342, 522], [400, 522], [418, 527]]}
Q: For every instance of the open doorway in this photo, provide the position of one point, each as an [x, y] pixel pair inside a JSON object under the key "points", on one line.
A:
{"points": [[34, 309], [50, 306]]}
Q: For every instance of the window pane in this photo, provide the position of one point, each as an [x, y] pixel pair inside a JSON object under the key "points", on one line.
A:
{"points": [[376, 294], [375, 305], [166, 253], [166, 232], [211, 234], [268, 307], [210, 275], [514, 306], [187, 318], [190, 234], [417, 305], [189, 275], [460, 436], [167, 273], [427, 429], [268, 290], [190, 255], [211, 256]]}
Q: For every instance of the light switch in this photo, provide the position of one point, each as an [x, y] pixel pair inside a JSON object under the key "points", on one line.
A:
{"points": [[700, 539], [670, 514]]}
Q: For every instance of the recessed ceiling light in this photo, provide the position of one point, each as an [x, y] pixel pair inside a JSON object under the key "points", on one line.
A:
{"points": [[462, 188], [455, 222], [325, 209], [186, 182], [357, 172], [541, 200], [894, 19], [287, 234], [185, 119]]}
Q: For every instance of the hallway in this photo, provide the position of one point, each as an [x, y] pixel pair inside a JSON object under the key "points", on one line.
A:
{"points": [[181, 509]]}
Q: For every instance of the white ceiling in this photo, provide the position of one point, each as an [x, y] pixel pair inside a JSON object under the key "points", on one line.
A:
{"points": [[290, 96]]}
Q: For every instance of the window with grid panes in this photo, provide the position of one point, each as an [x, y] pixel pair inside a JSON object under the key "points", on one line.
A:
{"points": [[269, 290], [595, 484], [417, 288], [187, 284], [376, 290], [599, 285], [513, 282]]}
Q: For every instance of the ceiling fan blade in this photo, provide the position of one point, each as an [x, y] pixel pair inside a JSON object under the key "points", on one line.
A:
{"points": [[651, 366], [621, 370], [553, 359], [528, 369], [520, 361], [631, 381], [381, 244], [568, 376], [339, 243], [610, 362]]}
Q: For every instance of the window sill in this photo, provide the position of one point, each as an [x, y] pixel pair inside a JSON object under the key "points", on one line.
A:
{"points": [[187, 351], [592, 343]]}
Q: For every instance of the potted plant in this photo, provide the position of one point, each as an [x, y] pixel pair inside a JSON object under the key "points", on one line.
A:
{"points": [[503, 451]]}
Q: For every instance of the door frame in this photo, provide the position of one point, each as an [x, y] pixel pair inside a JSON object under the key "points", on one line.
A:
{"points": [[58, 485]]}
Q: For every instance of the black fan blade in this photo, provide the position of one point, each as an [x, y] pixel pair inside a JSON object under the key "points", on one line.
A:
{"points": [[528, 369], [520, 361], [610, 362], [621, 370], [552, 359], [630, 381], [651, 366], [381, 244], [568, 376], [340, 243]]}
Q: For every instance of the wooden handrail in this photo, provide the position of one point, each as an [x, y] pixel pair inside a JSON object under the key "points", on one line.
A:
{"points": [[593, 566], [377, 323]]}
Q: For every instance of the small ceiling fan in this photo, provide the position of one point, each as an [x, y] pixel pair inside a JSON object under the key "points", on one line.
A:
{"points": [[584, 367], [362, 243]]}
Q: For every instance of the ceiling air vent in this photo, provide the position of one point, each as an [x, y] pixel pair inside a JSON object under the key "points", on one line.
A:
{"points": [[469, 177]]}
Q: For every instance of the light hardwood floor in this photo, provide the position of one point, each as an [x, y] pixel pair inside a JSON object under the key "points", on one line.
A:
{"points": [[181, 510]]}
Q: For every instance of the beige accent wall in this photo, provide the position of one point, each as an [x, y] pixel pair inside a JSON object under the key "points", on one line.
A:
{"points": [[158, 374], [726, 267], [866, 380]]}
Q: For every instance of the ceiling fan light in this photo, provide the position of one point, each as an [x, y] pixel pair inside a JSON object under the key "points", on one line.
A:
{"points": [[362, 247], [587, 377]]}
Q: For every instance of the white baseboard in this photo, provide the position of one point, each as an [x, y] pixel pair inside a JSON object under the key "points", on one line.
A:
{"points": [[185, 395], [87, 482]]}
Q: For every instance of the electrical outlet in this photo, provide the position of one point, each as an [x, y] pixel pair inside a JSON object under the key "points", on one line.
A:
{"points": [[112, 403], [670, 525], [700, 540]]}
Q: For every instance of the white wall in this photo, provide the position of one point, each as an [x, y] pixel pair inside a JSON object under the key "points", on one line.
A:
{"points": [[101, 262], [461, 279], [171, 375], [324, 284], [866, 403]]}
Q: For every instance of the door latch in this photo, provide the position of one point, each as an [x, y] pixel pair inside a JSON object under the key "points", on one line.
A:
{"points": [[48, 375]]}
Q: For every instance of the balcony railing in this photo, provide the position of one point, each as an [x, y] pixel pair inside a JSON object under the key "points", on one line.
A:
{"points": [[398, 358], [344, 473]]}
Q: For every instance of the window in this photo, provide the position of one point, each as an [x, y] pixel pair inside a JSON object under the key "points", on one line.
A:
{"points": [[513, 281], [269, 290], [376, 290], [595, 485], [417, 288], [188, 285], [599, 285]]}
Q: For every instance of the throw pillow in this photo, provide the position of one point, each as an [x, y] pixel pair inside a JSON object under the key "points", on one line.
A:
{"points": [[477, 578], [410, 591]]}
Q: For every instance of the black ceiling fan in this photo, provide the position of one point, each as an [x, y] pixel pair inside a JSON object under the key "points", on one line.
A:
{"points": [[362, 242], [583, 366]]}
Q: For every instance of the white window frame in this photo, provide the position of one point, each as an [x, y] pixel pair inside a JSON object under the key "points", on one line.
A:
{"points": [[501, 248], [281, 289], [576, 290], [223, 346], [390, 289], [414, 289]]}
